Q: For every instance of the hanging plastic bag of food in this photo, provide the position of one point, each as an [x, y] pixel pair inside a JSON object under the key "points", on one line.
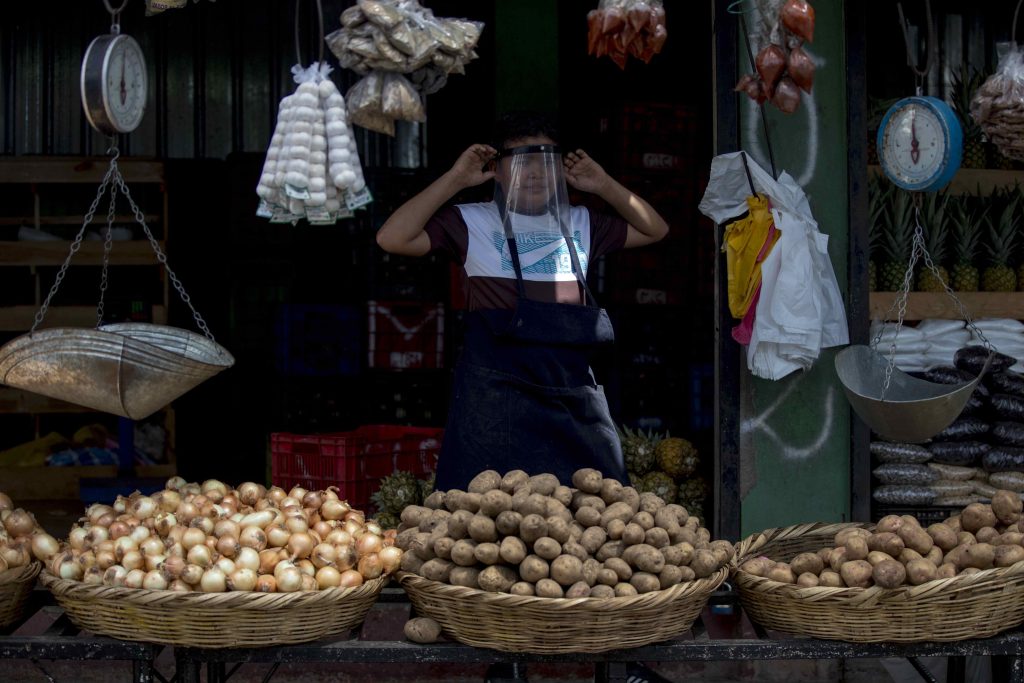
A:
{"points": [[365, 105], [399, 99], [998, 106], [748, 241], [626, 28], [312, 167], [782, 66]]}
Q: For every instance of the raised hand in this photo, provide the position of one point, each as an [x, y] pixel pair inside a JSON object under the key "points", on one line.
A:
{"points": [[468, 169], [585, 174]]}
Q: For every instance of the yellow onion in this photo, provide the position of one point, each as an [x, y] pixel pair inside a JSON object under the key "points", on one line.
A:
{"points": [[140, 534], [328, 577], [226, 527], [179, 586], [257, 519], [203, 523], [266, 584], [346, 557], [253, 537], [192, 574], [228, 546], [322, 528], [214, 581], [225, 565], [16, 555], [105, 559], [76, 538], [333, 509], [44, 546], [153, 562], [69, 569], [192, 537], [154, 581], [133, 559], [391, 559], [230, 503], [268, 560], [288, 579], [186, 512], [135, 578], [168, 501], [106, 520], [115, 576], [93, 576], [339, 537], [250, 493], [276, 494], [123, 545], [300, 545], [200, 555], [296, 524], [324, 555], [152, 546], [118, 529], [172, 568], [242, 580], [297, 492], [95, 511], [175, 534], [306, 567], [176, 550], [247, 558], [143, 507], [5, 502], [369, 544], [175, 483], [308, 583], [351, 578], [164, 522], [370, 566], [313, 499], [277, 536]]}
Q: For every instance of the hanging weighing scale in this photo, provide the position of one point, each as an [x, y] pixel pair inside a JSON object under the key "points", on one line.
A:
{"points": [[128, 369], [920, 145]]}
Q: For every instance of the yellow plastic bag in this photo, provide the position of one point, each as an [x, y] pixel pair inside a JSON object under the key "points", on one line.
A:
{"points": [[748, 241]]}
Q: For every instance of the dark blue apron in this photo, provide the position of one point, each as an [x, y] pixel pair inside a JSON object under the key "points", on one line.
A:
{"points": [[524, 395]]}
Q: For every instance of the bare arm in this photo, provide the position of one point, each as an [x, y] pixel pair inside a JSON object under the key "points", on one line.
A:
{"points": [[403, 232], [646, 225]]}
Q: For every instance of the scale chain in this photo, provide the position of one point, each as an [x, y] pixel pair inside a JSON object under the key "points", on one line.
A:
{"points": [[75, 246], [108, 243], [160, 255]]}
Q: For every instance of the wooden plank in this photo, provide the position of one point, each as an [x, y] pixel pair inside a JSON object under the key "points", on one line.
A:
{"points": [[61, 483], [73, 220], [19, 318], [122, 253], [921, 305], [18, 401], [973, 180], [50, 170]]}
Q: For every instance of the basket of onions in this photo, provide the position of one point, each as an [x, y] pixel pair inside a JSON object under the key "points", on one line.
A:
{"points": [[214, 567], [23, 545]]}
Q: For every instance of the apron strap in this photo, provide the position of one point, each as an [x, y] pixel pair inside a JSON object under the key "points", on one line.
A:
{"points": [[577, 270]]}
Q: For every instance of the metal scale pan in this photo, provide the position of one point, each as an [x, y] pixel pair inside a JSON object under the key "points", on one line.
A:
{"points": [[128, 369]]}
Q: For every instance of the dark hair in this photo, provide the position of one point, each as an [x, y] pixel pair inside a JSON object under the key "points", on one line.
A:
{"points": [[516, 125]]}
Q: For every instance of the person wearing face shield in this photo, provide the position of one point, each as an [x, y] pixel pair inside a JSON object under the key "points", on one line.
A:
{"points": [[524, 394]]}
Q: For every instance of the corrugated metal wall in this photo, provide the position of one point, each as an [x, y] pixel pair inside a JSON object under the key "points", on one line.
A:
{"points": [[217, 71]]}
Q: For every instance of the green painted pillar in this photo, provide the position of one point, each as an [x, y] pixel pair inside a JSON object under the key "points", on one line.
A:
{"points": [[795, 433], [526, 40]]}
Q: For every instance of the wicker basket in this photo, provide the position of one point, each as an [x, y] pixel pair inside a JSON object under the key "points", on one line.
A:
{"points": [[213, 620], [515, 623], [15, 587], [963, 607]]}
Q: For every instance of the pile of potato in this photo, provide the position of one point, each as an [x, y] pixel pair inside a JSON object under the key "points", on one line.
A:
{"points": [[535, 536], [900, 552]]}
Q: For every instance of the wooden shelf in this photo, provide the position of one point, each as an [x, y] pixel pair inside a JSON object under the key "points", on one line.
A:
{"points": [[20, 318], [122, 253], [971, 180], [51, 170], [921, 305], [97, 224]]}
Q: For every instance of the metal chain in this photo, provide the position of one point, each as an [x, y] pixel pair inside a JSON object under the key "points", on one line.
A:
{"points": [[76, 244], [108, 244], [160, 255]]}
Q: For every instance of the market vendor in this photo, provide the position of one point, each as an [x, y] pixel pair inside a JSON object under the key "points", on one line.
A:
{"points": [[524, 395]]}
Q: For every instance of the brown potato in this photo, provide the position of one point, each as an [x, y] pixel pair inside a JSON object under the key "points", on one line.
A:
{"points": [[533, 527], [520, 496], [703, 535], [704, 563], [679, 554], [575, 531], [422, 546], [966, 538], [844, 536], [593, 538], [683, 535], [759, 566], [405, 538], [458, 524], [625, 590], [557, 510], [911, 520], [559, 529], [494, 502], [670, 576], [587, 480], [580, 589], [615, 528], [608, 577], [513, 480], [544, 484], [547, 547], [588, 516], [602, 591], [630, 497], [563, 494], [971, 570], [826, 556], [463, 553], [535, 504], [422, 630], [956, 557], [464, 576], [946, 571], [484, 482], [470, 501], [511, 551], [591, 567], [658, 537], [888, 543], [837, 559], [546, 588], [633, 534], [443, 548], [1010, 538], [609, 550], [507, 523], [807, 580], [920, 571], [954, 522], [411, 562], [807, 562], [889, 574], [645, 583], [782, 573], [644, 519], [724, 547], [986, 534], [876, 556], [916, 539], [482, 530], [611, 490], [979, 555], [497, 578], [666, 519], [976, 516], [906, 555], [943, 536], [434, 519], [830, 579], [414, 514], [857, 573], [1006, 555], [452, 500], [522, 588], [856, 547], [572, 547], [889, 524], [650, 503], [1007, 506], [935, 555], [534, 568], [437, 570], [647, 558]]}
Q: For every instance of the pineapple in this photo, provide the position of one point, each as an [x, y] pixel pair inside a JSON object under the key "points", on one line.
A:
{"points": [[387, 520], [966, 224], [965, 83], [660, 484], [692, 495], [878, 196], [935, 217], [638, 450], [897, 241], [676, 457], [427, 486], [1000, 277], [397, 490]]}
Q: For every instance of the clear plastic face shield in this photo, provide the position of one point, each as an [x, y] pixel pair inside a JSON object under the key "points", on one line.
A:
{"points": [[530, 189]]}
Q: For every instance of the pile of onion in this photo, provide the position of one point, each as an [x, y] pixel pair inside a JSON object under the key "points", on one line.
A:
{"points": [[211, 538], [22, 540]]}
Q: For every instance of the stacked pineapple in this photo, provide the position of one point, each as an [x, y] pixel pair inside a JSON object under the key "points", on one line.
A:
{"points": [[666, 466], [935, 221], [966, 82], [397, 491], [1002, 243], [898, 221], [966, 219]]}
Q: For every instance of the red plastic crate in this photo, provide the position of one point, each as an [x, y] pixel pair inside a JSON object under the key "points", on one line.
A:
{"points": [[353, 461]]}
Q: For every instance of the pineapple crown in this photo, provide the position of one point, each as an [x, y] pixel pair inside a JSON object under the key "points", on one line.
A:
{"points": [[966, 221], [935, 220], [966, 81], [878, 197], [1003, 235], [900, 233]]}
